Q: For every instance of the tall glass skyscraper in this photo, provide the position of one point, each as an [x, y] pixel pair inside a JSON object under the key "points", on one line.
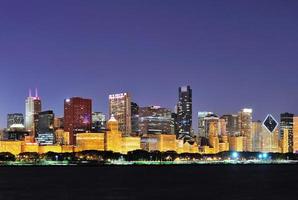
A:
{"points": [[33, 107], [184, 113]]}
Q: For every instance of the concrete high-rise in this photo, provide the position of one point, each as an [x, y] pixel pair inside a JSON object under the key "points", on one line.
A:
{"points": [[286, 122], [184, 113], [120, 108], [77, 116], [33, 107]]}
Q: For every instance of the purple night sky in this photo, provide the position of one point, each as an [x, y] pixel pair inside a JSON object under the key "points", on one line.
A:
{"points": [[234, 54]]}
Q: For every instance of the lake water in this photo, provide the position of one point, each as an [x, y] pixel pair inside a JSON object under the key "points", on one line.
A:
{"points": [[150, 182]]}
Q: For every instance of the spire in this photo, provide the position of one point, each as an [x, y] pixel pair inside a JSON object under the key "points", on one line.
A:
{"points": [[36, 92], [30, 93]]}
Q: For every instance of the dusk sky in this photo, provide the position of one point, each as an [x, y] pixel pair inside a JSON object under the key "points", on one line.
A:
{"points": [[234, 54]]}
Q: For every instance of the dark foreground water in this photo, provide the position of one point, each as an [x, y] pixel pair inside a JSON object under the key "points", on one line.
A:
{"points": [[150, 182]]}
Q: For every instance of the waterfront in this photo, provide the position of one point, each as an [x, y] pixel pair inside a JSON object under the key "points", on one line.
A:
{"points": [[150, 182]]}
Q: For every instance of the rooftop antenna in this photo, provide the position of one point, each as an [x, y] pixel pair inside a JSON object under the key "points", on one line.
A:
{"points": [[30, 93], [36, 92]]}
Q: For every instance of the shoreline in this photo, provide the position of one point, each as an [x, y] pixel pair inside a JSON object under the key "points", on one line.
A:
{"points": [[146, 163]]}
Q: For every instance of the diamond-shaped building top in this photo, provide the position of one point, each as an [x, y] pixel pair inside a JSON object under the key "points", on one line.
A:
{"points": [[270, 123]]}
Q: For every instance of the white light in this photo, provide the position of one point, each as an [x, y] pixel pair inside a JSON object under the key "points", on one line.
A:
{"points": [[247, 110], [67, 100]]}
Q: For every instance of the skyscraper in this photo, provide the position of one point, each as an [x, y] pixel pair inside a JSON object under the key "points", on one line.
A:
{"points": [[120, 107], [33, 107], [174, 122], [286, 122], [232, 124], [77, 116], [202, 123], [15, 119], [295, 134], [45, 128], [184, 112], [245, 124], [135, 118], [155, 120], [134, 109], [257, 136]]}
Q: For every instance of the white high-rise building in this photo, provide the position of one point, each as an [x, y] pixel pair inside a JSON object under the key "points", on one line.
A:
{"points": [[33, 107]]}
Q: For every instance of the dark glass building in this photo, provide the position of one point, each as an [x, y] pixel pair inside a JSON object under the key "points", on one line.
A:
{"points": [[135, 118], [174, 122], [77, 116], [155, 120], [134, 109], [45, 128], [286, 122], [184, 113]]}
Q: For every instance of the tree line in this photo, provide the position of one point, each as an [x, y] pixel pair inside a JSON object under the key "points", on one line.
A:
{"points": [[137, 155]]}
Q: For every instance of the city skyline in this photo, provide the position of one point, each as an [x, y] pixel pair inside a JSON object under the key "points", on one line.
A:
{"points": [[195, 113], [148, 99], [85, 51]]}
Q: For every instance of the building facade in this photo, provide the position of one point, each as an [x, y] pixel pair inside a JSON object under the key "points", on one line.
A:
{"points": [[77, 116], [120, 108], [33, 107], [286, 122], [45, 128], [232, 124], [135, 118], [184, 113], [155, 120], [245, 124], [204, 120], [295, 134]]}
